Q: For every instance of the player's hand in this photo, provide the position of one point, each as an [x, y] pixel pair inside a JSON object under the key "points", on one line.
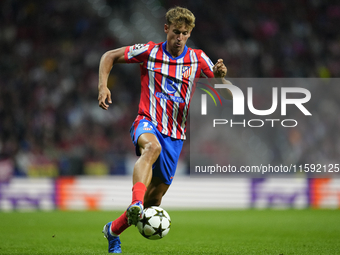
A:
{"points": [[219, 69], [104, 93]]}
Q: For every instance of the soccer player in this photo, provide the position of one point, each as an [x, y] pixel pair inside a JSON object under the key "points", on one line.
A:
{"points": [[168, 70]]}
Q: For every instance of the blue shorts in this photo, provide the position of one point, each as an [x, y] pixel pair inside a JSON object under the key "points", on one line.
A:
{"points": [[166, 164]]}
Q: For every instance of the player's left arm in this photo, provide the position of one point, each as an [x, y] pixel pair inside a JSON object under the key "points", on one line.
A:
{"points": [[220, 71]]}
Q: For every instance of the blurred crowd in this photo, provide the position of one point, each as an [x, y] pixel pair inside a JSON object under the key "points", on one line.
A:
{"points": [[50, 51], [270, 38]]}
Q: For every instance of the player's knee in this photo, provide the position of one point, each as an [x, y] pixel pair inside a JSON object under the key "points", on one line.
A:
{"points": [[154, 148]]}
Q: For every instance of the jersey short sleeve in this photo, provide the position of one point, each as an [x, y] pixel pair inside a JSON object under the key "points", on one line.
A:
{"points": [[137, 53], [206, 66]]}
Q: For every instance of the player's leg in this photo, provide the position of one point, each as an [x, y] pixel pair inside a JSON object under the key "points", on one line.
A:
{"points": [[163, 170], [156, 190], [150, 149]]}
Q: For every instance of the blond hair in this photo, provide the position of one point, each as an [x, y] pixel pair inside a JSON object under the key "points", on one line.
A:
{"points": [[180, 16]]}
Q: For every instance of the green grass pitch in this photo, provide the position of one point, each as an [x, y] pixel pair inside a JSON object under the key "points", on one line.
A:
{"points": [[192, 232]]}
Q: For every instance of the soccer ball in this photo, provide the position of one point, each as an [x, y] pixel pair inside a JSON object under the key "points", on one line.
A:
{"points": [[155, 223]]}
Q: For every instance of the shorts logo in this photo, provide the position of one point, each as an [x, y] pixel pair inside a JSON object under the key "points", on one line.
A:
{"points": [[186, 71], [147, 127]]}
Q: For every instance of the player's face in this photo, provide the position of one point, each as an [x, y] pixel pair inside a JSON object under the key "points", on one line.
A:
{"points": [[176, 38]]}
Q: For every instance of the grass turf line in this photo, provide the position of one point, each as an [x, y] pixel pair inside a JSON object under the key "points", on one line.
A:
{"points": [[192, 232]]}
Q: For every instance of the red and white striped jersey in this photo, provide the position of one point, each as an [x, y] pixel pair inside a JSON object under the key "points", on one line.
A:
{"points": [[167, 84]]}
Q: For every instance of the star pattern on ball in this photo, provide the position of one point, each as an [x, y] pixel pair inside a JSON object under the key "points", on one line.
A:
{"points": [[145, 220], [159, 230], [159, 213]]}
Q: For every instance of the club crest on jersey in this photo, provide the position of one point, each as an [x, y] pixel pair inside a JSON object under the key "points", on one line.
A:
{"points": [[186, 71]]}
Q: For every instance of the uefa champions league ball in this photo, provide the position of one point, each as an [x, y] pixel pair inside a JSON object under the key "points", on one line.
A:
{"points": [[155, 223]]}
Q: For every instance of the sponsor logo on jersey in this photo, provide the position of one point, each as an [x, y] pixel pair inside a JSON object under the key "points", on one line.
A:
{"points": [[170, 97], [171, 86], [172, 91]]}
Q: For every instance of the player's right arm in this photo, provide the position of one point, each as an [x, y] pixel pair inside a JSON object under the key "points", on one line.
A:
{"points": [[108, 59]]}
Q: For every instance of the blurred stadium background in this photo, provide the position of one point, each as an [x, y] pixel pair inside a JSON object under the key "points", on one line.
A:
{"points": [[58, 149]]}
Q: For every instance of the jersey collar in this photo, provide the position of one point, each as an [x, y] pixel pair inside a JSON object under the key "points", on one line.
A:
{"points": [[169, 55]]}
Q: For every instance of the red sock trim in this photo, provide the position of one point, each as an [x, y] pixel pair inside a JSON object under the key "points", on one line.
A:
{"points": [[120, 224], [138, 192]]}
